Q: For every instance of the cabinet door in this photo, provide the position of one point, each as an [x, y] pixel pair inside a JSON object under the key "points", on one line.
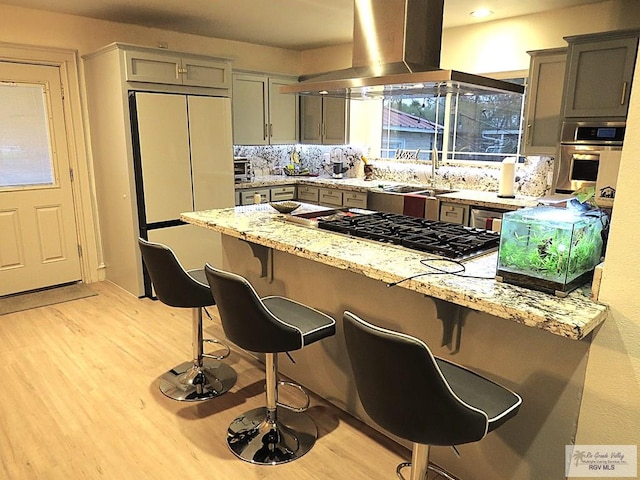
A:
{"points": [[334, 115], [308, 194], [330, 196], [283, 114], [311, 120], [544, 101], [599, 78], [279, 194], [200, 72], [354, 199], [454, 213], [250, 109], [152, 67]]}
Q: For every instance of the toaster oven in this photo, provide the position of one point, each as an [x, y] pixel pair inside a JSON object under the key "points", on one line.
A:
{"points": [[242, 169]]}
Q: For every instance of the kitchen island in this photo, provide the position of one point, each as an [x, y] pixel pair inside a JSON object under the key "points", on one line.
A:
{"points": [[572, 317], [529, 341]]}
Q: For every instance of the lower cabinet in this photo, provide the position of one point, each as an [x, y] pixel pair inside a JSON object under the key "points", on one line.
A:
{"points": [[308, 194], [331, 196], [354, 199], [247, 197], [279, 194], [454, 213]]}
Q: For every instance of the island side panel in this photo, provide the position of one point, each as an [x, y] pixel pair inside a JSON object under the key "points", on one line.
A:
{"points": [[545, 369]]}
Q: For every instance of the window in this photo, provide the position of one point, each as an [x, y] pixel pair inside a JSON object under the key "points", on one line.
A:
{"points": [[483, 126], [25, 146]]}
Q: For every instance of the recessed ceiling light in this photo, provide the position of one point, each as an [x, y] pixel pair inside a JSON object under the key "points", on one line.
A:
{"points": [[481, 13]]}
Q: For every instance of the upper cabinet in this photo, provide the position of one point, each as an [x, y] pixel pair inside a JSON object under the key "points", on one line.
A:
{"points": [[171, 68], [544, 101], [261, 114], [599, 74], [323, 120]]}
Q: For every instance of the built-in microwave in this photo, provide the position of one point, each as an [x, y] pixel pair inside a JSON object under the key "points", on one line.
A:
{"points": [[242, 171], [589, 155]]}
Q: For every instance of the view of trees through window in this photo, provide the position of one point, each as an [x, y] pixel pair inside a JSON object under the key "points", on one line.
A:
{"points": [[467, 127]]}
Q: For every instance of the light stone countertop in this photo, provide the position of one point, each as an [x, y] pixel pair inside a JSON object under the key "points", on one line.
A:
{"points": [[479, 198], [476, 198], [572, 317]]}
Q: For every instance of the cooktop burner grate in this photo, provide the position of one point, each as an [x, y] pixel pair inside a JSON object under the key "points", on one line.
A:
{"points": [[440, 238]]}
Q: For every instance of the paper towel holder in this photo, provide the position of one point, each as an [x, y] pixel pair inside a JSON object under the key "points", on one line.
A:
{"points": [[507, 178]]}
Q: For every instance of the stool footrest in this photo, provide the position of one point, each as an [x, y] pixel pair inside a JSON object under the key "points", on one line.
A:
{"points": [[216, 357], [434, 468], [292, 407]]}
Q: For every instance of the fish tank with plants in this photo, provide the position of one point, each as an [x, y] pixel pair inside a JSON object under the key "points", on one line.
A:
{"points": [[550, 249]]}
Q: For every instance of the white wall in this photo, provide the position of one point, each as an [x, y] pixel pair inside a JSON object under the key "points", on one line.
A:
{"points": [[502, 45], [610, 412], [34, 27]]}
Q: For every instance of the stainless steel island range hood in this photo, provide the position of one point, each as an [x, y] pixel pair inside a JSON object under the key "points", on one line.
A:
{"points": [[396, 52]]}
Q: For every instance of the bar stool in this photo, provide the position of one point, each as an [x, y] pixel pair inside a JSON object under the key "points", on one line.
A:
{"points": [[421, 398], [204, 377], [268, 435]]}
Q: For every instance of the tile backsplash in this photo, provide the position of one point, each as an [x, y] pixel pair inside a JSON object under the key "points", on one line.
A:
{"points": [[532, 176]]}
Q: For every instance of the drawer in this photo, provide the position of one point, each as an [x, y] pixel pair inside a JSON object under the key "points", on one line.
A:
{"points": [[308, 194], [454, 213], [354, 199], [283, 193], [330, 196], [246, 196]]}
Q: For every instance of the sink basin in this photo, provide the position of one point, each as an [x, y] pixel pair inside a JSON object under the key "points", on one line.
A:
{"points": [[402, 188], [417, 189], [432, 192]]}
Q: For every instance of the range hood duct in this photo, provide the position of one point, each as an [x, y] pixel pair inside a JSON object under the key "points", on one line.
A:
{"points": [[396, 52]]}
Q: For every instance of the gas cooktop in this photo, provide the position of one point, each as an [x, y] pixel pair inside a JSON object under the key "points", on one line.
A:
{"points": [[449, 240]]}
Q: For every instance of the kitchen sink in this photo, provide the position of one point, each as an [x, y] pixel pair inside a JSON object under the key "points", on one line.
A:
{"points": [[415, 189], [402, 188]]}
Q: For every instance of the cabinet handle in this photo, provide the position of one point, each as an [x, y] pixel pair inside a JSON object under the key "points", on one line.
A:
{"points": [[270, 130], [265, 131], [624, 93], [528, 139]]}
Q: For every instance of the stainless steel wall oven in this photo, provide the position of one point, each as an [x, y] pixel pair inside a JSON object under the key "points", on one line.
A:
{"points": [[589, 155]]}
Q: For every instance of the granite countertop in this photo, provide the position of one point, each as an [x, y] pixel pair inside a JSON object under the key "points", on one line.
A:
{"points": [[572, 317], [488, 199], [476, 198], [349, 183]]}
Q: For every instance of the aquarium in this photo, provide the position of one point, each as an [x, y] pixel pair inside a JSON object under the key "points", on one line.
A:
{"points": [[550, 249]]}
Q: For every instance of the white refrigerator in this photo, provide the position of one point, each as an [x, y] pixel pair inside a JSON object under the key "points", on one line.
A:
{"points": [[183, 161]]}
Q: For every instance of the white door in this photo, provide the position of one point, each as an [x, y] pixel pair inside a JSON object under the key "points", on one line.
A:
{"points": [[38, 239]]}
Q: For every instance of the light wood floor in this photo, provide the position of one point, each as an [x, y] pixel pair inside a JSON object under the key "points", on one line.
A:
{"points": [[79, 399]]}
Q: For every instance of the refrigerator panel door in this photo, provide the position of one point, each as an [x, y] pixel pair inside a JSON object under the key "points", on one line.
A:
{"points": [[211, 152], [165, 157], [194, 246]]}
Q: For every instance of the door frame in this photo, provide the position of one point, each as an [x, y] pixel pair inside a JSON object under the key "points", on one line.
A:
{"points": [[85, 212]]}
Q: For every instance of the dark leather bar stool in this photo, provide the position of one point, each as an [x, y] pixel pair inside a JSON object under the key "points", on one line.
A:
{"points": [[268, 435], [421, 398], [205, 376]]}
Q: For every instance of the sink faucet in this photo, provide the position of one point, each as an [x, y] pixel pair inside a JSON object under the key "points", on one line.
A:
{"points": [[435, 164]]}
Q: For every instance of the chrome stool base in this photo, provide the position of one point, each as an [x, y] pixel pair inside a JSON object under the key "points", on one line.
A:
{"points": [[188, 383], [253, 438]]}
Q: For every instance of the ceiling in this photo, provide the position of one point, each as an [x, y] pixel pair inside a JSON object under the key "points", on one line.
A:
{"points": [[293, 24]]}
